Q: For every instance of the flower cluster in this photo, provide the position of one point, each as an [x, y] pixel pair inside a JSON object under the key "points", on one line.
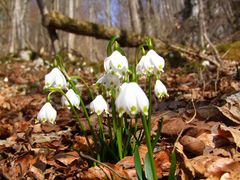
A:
{"points": [[130, 98], [153, 64], [56, 79]]}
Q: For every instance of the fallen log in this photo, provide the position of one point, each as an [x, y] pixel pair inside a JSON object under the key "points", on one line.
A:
{"points": [[56, 20]]}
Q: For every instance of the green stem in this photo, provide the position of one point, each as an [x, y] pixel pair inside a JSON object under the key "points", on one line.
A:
{"points": [[119, 138], [77, 116], [72, 85], [102, 136], [150, 101], [109, 128], [149, 146], [85, 84], [114, 116]]}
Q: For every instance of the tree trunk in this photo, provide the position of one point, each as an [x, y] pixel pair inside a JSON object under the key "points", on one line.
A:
{"points": [[71, 37], [134, 13]]}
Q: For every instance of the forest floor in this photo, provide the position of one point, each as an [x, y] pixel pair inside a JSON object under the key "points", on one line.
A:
{"points": [[203, 104]]}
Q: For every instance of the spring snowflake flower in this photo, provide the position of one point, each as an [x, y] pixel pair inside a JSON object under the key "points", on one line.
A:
{"points": [[47, 113], [160, 89], [150, 64], [98, 105], [116, 63], [131, 99], [55, 79], [109, 81], [73, 98]]}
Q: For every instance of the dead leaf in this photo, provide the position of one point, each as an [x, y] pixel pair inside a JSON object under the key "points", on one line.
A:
{"points": [[38, 174], [173, 126], [67, 158], [192, 145], [162, 162], [234, 133], [187, 162], [232, 108]]}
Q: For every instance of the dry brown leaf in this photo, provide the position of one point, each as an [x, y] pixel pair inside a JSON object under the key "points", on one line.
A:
{"points": [[173, 126], [211, 166], [103, 172], [67, 158], [162, 162], [235, 133], [187, 162], [38, 174], [192, 145], [232, 108]]}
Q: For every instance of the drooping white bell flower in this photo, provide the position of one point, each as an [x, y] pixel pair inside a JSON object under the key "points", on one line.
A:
{"points": [[131, 99], [56, 79], [116, 63], [98, 105], [109, 81], [150, 64], [73, 98], [160, 89], [47, 113], [144, 66]]}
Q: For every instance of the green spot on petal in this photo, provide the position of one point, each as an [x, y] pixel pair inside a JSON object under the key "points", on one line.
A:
{"points": [[145, 109], [98, 112], [133, 109]]}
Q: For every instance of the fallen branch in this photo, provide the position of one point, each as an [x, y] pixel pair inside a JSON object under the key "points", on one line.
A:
{"points": [[56, 20]]}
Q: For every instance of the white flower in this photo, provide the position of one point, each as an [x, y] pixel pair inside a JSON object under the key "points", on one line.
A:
{"points": [[109, 81], [98, 105], [55, 79], [73, 98], [206, 63], [150, 64], [160, 90], [47, 113], [131, 99], [116, 63]]}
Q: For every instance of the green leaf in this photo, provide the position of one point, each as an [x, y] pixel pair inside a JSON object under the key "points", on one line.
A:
{"points": [[137, 163], [147, 167], [173, 166], [110, 44]]}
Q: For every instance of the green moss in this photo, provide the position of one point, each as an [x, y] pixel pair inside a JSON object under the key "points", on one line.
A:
{"points": [[230, 51]]}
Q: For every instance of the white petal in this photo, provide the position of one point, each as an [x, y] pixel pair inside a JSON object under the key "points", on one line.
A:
{"points": [[131, 99], [160, 89], [106, 64], [56, 79], [47, 113], [156, 60], [98, 105], [49, 80], [73, 98]]}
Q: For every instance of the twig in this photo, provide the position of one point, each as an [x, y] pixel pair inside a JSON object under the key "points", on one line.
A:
{"points": [[103, 164], [213, 47], [195, 113]]}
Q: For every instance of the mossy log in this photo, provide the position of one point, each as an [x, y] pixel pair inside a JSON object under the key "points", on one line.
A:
{"points": [[57, 20]]}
